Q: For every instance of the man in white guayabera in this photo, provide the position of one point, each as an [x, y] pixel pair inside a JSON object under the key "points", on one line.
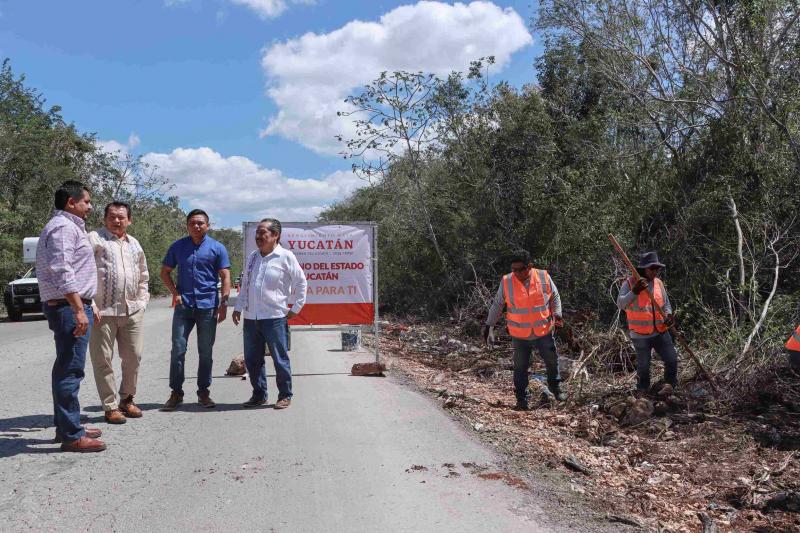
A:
{"points": [[122, 297], [273, 290]]}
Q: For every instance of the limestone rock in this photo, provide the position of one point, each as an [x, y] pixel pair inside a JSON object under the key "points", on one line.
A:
{"points": [[367, 369], [640, 411], [236, 368]]}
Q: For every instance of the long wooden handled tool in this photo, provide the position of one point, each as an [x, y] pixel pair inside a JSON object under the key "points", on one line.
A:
{"points": [[677, 334]]}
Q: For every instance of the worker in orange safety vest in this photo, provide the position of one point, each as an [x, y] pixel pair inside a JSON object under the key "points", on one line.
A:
{"points": [[533, 309], [648, 328]]}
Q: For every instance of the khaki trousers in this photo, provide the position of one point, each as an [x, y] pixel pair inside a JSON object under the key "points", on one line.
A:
{"points": [[128, 332]]}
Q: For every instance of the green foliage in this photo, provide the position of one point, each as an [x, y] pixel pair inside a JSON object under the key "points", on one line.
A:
{"points": [[39, 151], [233, 242], [156, 226], [36, 149], [646, 123]]}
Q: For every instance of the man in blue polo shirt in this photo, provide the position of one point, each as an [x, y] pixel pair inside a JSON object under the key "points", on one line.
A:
{"points": [[201, 263]]}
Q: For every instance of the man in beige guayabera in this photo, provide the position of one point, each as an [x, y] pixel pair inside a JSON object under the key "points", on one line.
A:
{"points": [[121, 299]]}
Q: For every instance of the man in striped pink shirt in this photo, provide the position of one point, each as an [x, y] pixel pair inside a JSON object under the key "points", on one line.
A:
{"points": [[67, 277]]}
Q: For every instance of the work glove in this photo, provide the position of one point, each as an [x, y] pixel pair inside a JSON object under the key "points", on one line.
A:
{"points": [[640, 286], [670, 320], [559, 321]]}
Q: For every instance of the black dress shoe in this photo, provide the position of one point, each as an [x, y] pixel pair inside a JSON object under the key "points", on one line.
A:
{"points": [[254, 401]]}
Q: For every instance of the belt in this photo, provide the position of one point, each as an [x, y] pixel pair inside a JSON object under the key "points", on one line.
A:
{"points": [[61, 302]]}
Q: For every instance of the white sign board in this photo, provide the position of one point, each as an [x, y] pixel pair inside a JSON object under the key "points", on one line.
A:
{"points": [[338, 262]]}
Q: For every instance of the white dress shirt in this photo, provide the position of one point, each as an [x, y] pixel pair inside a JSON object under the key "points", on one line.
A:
{"points": [[270, 284]]}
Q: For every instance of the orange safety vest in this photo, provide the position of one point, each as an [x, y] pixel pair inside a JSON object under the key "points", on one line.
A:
{"points": [[640, 312], [528, 310], [794, 341]]}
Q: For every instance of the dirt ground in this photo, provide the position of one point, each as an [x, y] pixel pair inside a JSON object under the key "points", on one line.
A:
{"points": [[679, 461]]}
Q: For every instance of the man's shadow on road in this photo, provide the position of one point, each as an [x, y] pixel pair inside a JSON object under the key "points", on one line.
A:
{"points": [[13, 439], [190, 406], [14, 431], [25, 318], [194, 407]]}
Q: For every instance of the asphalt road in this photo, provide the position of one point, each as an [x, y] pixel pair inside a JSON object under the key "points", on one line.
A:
{"points": [[350, 454]]}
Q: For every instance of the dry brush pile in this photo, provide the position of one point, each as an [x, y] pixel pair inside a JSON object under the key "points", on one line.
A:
{"points": [[682, 460]]}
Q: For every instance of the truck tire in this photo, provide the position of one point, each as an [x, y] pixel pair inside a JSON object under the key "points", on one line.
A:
{"points": [[14, 313]]}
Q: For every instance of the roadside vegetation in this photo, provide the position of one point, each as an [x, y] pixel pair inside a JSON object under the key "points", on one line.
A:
{"points": [[39, 150], [672, 125]]}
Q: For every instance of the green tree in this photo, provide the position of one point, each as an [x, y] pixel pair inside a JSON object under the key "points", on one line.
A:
{"points": [[670, 124], [39, 151], [234, 243]]}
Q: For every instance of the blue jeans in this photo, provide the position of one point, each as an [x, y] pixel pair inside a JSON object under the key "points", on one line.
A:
{"points": [[662, 344], [523, 352], [68, 368], [258, 335], [794, 359], [184, 319]]}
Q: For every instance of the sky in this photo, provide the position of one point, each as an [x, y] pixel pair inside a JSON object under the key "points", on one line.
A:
{"points": [[235, 101]]}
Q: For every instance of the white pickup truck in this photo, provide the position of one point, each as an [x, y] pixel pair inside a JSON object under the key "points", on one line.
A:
{"points": [[22, 295]]}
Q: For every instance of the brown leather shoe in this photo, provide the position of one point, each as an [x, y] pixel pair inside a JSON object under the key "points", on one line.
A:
{"points": [[204, 399], [115, 416], [83, 445], [92, 433], [130, 409], [175, 399], [283, 404]]}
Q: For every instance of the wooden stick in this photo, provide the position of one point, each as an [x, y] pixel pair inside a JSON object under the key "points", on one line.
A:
{"points": [[677, 334]]}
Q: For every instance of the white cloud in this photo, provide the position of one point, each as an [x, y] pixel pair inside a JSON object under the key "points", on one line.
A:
{"points": [[268, 9], [310, 76], [113, 146], [236, 188]]}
